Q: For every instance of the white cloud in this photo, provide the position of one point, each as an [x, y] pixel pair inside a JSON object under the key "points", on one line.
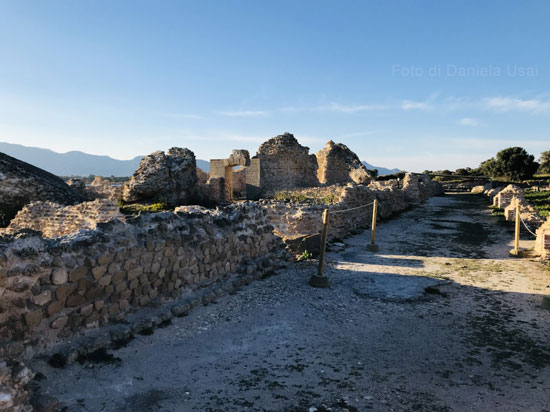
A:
{"points": [[507, 104], [244, 113], [412, 105], [174, 115], [343, 108], [468, 121], [335, 108]]}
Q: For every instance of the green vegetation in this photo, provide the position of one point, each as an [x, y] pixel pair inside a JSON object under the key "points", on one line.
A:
{"points": [[513, 163], [133, 209], [540, 201], [305, 255], [309, 195], [544, 161]]}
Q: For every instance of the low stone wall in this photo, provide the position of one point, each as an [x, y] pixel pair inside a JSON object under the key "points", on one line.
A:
{"points": [[53, 219], [542, 244], [504, 196], [296, 219], [527, 212], [54, 288]]}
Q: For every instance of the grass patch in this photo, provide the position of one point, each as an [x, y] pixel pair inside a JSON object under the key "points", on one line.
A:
{"points": [[315, 196], [540, 201], [133, 209]]}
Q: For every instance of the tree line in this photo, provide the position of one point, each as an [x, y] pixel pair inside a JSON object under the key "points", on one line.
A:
{"points": [[513, 163]]}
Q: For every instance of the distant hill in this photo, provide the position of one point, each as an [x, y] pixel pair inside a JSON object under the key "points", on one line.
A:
{"points": [[77, 163], [381, 170]]}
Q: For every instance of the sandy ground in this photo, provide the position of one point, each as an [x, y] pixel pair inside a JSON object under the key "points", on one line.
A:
{"points": [[441, 319]]}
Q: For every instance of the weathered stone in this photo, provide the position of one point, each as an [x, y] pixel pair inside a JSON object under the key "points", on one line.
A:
{"points": [[99, 271], [42, 298], [285, 164], [87, 310], [59, 276], [168, 177], [54, 307], [78, 273], [33, 317], [75, 300], [337, 164], [59, 323]]}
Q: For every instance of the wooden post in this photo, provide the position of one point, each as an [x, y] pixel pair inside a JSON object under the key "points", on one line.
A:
{"points": [[319, 280], [374, 213], [373, 247], [515, 251]]}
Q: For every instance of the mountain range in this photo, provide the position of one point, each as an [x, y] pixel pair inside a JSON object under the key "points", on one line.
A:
{"points": [[77, 163], [381, 170]]}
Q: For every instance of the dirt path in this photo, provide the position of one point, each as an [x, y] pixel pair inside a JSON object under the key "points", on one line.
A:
{"points": [[439, 320]]}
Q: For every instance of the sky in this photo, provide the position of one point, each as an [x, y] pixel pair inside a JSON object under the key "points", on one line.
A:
{"points": [[409, 84]]}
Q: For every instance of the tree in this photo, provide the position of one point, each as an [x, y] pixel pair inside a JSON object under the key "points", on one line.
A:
{"points": [[514, 163], [544, 162]]}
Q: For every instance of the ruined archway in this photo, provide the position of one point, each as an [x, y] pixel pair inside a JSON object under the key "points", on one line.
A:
{"points": [[223, 168]]}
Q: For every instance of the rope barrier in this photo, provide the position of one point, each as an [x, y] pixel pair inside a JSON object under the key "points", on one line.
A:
{"points": [[332, 212], [526, 227]]}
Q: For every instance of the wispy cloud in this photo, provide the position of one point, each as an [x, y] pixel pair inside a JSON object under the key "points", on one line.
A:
{"points": [[508, 104], [174, 115], [468, 121], [244, 113], [344, 108], [413, 105], [335, 108]]}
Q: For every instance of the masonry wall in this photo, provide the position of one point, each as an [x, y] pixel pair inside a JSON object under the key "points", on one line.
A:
{"points": [[54, 288], [292, 220], [53, 219]]}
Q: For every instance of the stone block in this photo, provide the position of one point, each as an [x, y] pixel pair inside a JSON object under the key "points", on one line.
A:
{"points": [[99, 271], [78, 273], [59, 276]]}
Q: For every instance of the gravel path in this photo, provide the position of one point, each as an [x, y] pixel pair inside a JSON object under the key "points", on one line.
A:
{"points": [[441, 319]]}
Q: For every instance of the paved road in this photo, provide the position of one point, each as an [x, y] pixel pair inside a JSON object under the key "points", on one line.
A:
{"points": [[439, 320]]}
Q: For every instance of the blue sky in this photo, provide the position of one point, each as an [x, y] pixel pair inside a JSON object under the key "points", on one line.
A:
{"points": [[409, 84]]}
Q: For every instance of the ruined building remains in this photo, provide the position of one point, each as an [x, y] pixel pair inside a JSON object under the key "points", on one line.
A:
{"points": [[163, 177], [337, 164], [286, 164], [248, 176]]}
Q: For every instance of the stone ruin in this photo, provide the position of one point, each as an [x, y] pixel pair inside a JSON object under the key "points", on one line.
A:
{"points": [[542, 244], [22, 183], [285, 164], [527, 212], [504, 196], [163, 177], [337, 164], [52, 219], [248, 176]]}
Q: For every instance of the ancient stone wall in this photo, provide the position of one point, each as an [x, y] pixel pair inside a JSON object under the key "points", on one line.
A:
{"points": [[53, 219], [527, 212], [337, 164], [504, 196], [285, 164], [542, 244], [54, 288], [294, 219]]}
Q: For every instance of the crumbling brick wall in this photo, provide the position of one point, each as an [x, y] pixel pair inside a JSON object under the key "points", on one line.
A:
{"points": [[53, 219]]}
